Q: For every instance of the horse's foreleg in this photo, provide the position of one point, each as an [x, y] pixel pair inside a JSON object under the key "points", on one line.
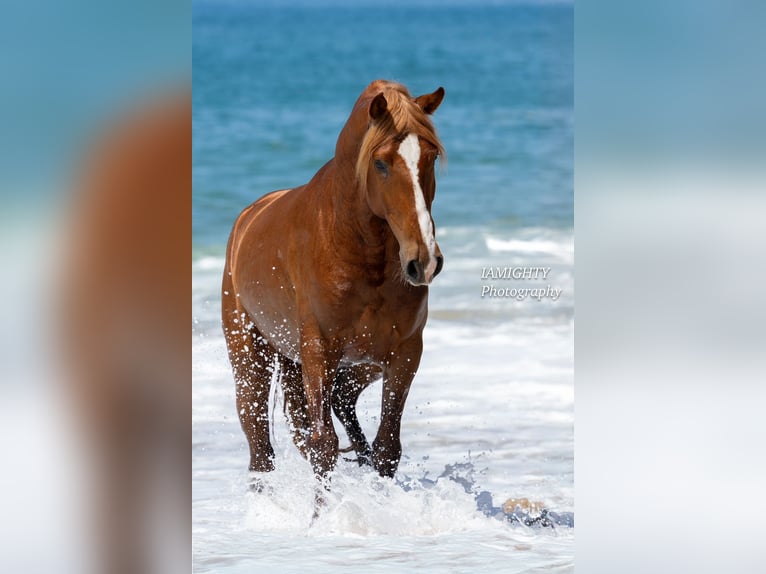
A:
{"points": [[397, 378], [251, 359], [348, 385], [318, 365], [295, 402]]}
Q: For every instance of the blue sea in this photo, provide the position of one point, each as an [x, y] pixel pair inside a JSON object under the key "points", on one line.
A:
{"points": [[273, 86]]}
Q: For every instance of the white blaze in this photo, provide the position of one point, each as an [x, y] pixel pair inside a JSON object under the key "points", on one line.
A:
{"points": [[409, 149]]}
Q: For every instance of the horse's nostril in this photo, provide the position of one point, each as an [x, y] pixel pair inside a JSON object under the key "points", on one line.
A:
{"points": [[439, 264], [413, 271]]}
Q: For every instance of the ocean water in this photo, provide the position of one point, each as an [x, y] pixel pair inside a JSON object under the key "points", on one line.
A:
{"points": [[492, 402]]}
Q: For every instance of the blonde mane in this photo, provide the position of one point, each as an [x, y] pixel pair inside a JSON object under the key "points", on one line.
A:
{"points": [[403, 117]]}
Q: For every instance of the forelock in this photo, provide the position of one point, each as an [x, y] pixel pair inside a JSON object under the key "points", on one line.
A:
{"points": [[403, 117]]}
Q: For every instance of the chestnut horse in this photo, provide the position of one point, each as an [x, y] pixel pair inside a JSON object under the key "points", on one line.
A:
{"points": [[328, 283]]}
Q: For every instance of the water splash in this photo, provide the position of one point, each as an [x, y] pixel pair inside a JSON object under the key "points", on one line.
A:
{"points": [[358, 502]]}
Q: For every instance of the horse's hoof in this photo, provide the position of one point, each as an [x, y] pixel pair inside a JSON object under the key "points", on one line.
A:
{"points": [[256, 485], [364, 459], [319, 503], [386, 467]]}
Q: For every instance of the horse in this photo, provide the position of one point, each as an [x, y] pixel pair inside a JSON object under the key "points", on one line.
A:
{"points": [[327, 284]]}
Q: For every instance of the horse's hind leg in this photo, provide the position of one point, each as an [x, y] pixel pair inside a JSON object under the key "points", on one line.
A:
{"points": [[295, 401], [252, 364], [348, 384]]}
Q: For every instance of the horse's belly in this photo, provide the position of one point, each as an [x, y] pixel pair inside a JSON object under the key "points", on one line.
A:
{"points": [[269, 300], [274, 318]]}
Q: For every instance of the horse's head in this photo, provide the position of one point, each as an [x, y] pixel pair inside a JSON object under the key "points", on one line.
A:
{"points": [[396, 163]]}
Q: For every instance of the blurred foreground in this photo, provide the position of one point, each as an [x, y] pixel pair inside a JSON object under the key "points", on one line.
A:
{"points": [[110, 316], [95, 211], [125, 330]]}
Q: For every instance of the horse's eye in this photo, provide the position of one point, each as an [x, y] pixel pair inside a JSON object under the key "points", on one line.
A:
{"points": [[381, 167]]}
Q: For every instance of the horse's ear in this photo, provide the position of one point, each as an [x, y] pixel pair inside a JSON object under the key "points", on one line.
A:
{"points": [[378, 106], [429, 102]]}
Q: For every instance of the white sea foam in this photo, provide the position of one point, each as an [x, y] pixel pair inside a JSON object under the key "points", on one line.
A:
{"points": [[209, 263], [561, 250]]}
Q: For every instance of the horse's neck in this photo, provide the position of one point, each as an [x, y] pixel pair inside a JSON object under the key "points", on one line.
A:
{"points": [[355, 223]]}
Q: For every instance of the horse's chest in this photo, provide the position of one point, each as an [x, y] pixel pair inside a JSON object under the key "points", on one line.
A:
{"points": [[379, 327]]}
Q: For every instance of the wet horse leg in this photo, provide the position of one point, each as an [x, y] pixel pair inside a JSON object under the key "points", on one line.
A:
{"points": [[397, 378], [318, 366], [251, 358], [295, 401], [348, 385]]}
